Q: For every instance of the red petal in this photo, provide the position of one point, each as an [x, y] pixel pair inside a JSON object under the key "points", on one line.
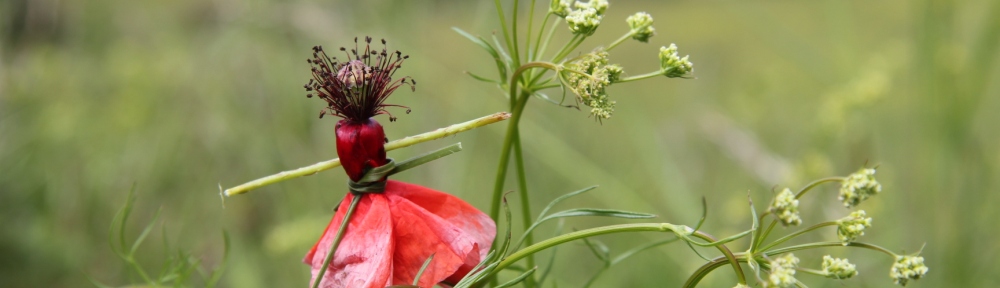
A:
{"points": [[393, 233], [363, 258], [425, 222]]}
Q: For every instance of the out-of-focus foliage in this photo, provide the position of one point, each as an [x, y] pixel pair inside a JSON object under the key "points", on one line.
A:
{"points": [[179, 96]]}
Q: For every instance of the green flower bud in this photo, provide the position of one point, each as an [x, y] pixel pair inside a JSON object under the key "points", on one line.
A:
{"points": [[786, 208], [837, 268], [858, 187], [906, 268], [672, 65], [853, 226], [599, 5], [583, 21], [559, 8], [783, 271], [641, 24]]}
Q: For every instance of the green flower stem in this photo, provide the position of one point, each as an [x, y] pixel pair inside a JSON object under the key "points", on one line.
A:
{"points": [[401, 143], [619, 41], [811, 271], [831, 244], [720, 261], [640, 77], [538, 42], [336, 240], [527, 38], [816, 183], [570, 46], [508, 141], [796, 234], [551, 242], [759, 235], [539, 51], [513, 28], [708, 267], [657, 227], [763, 236], [525, 206], [728, 254], [565, 47]]}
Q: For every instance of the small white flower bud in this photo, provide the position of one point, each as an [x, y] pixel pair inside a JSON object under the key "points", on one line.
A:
{"points": [[906, 268], [786, 208], [853, 226], [837, 268], [641, 24], [783, 271], [599, 5], [858, 187], [583, 21], [559, 8], [671, 64]]}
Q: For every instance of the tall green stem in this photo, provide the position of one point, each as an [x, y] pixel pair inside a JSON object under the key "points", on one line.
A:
{"points": [[336, 239], [525, 203], [512, 126], [513, 27]]}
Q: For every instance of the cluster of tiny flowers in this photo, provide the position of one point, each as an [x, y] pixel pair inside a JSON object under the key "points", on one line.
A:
{"points": [[853, 226], [786, 208], [641, 24], [740, 285], [858, 187], [560, 8], [837, 268], [591, 87], [906, 268], [783, 271], [672, 65], [584, 19]]}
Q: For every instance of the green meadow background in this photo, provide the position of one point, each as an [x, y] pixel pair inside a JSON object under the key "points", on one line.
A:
{"points": [[179, 97]]}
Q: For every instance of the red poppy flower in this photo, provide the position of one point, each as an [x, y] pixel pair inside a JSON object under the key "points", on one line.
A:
{"points": [[391, 235], [396, 228]]}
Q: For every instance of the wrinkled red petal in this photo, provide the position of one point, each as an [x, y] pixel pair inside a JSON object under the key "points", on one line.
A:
{"points": [[364, 257], [425, 222], [391, 235]]}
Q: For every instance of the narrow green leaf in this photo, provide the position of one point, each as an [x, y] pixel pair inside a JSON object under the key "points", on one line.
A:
{"points": [[217, 272], [599, 249], [145, 232], [518, 279], [484, 79], [563, 197], [598, 212]]}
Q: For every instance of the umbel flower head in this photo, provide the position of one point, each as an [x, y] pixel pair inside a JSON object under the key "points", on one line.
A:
{"points": [[783, 271], [858, 187], [907, 268], [396, 226], [838, 268], [672, 65], [641, 25], [786, 208], [853, 226], [584, 21], [590, 76]]}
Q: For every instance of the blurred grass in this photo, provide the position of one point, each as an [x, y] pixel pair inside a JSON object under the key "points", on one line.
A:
{"points": [[178, 96]]}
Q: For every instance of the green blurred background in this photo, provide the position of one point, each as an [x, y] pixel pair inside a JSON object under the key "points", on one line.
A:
{"points": [[178, 97]]}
